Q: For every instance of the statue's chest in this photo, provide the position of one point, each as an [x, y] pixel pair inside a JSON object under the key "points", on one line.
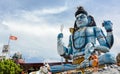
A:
{"points": [[81, 36]]}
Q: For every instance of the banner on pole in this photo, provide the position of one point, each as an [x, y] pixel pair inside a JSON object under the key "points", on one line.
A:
{"points": [[13, 37], [5, 49]]}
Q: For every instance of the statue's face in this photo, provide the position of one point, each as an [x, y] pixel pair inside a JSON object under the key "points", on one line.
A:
{"points": [[81, 20]]}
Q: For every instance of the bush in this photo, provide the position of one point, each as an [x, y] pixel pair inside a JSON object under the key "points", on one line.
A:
{"points": [[9, 67]]}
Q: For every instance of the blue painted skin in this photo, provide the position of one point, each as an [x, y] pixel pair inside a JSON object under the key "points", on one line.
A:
{"points": [[85, 38], [82, 42]]}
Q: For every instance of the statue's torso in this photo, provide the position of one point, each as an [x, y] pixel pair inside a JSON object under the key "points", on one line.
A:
{"points": [[83, 36]]}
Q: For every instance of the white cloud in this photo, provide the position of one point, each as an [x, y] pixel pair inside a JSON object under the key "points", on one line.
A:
{"points": [[31, 29], [45, 11], [51, 11], [34, 38]]}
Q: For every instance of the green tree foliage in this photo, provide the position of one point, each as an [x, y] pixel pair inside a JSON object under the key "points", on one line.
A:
{"points": [[9, 67]]}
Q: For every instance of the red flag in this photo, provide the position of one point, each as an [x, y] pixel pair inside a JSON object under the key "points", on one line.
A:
{"points": [[13, 38]]}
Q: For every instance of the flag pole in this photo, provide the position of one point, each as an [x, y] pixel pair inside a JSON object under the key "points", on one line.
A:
{"points": [[8, 45], [9, 40]]}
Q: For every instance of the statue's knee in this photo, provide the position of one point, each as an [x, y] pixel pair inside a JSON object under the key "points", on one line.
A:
{"points": [[110, 57], [107, 58]]}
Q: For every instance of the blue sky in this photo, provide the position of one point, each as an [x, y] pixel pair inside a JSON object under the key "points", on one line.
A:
{"points": [[36, 23]]}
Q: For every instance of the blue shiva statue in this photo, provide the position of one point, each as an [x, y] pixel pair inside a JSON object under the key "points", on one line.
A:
{"points": [[83, 42]]}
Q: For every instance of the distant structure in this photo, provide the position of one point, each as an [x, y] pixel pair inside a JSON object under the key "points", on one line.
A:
{"points": [[17, 57], [6, 48], [5, 51]]}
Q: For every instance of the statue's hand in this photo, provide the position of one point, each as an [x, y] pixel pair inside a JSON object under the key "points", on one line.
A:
{"points": [[60, 35], [107, 25]]}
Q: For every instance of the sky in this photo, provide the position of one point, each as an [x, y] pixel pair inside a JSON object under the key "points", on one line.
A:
{"points": [[36, 24]]}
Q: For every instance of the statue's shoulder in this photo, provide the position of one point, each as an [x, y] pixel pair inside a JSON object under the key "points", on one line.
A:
{"points": [[97, 29]]}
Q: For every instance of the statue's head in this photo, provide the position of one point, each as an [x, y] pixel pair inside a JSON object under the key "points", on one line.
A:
{"points": [[82, 18]]}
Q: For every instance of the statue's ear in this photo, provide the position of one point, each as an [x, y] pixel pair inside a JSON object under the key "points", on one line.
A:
{"points": [[71, 30]]}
